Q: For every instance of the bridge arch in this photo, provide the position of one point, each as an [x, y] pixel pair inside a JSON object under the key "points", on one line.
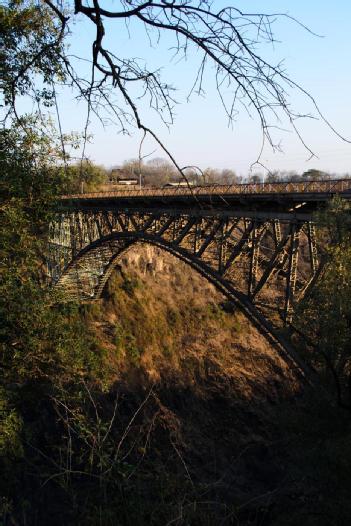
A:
{"points": [[87, 274], [245, 239], [119, 243]]}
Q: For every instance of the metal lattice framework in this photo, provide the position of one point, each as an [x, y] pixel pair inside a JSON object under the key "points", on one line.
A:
{"points": [[329, 186], [255, 243], [255, 261]]}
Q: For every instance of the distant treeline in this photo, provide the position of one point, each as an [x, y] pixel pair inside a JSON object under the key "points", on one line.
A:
{"points": [[158, 172], [87, 176]]}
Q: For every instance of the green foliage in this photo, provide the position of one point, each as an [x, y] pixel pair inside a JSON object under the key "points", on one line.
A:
{"points": [[119, 339], [215, 312], [167, 351], [10, 428], [133, 352], [45, 348], [84, 177], [31, 49], [325, 314], [314, 175], [126, 344], [35, 337], [92, 311], [130, 285]]}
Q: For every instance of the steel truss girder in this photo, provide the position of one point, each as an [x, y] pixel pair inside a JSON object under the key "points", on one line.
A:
{"points": [[257, 249], [312, 244]]}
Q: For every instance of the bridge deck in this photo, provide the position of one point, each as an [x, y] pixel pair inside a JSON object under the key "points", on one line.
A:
{"points": [[299, 198], [304, 187]]}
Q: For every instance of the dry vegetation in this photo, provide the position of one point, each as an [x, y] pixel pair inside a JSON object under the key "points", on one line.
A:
{"points": [[164, 320], [212, 423], [204, 386]]}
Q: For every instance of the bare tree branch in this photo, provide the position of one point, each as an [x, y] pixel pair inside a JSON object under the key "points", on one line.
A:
{"points": [[228, 40]]}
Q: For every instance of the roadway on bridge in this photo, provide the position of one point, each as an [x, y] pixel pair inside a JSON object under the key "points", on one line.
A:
{"points": [[300, 199]]}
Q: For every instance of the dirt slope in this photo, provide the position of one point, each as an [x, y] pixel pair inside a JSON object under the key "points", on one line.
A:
{"points": [[205, 386]]}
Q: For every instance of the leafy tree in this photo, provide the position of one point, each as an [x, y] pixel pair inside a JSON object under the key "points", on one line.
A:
{"points": [[324, 317], [273, 177], [210, 176], [228, 176], [31, 51], [283, 176], [84, 176], [256, 178], [314, 175], [44, 346]]}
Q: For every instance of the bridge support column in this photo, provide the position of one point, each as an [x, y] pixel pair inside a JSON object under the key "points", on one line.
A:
{"points": [[312, 244], [292, 271], [254, 259]]}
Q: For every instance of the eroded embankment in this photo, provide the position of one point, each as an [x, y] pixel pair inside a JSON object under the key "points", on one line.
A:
{"points": [[199, 387], [159, 317]]}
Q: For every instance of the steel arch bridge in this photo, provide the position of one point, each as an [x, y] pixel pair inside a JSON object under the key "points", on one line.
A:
{"points": [[255, 243]]}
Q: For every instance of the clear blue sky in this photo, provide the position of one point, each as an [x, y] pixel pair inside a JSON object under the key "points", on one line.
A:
{"points": [[201, 135]]}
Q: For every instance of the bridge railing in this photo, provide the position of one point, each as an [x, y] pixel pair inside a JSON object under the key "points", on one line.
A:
{"points": [[330, 186]]}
